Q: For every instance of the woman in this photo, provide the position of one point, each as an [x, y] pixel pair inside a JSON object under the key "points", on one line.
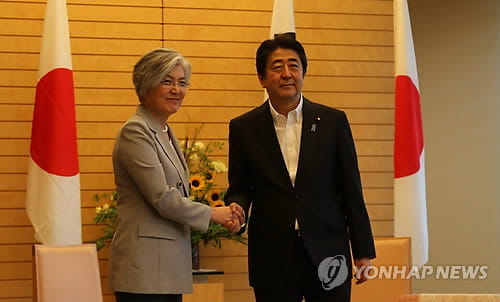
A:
{"points": [[151, 249]]}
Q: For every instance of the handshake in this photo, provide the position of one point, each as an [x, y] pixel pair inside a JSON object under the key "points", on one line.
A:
{"points": [[232, 217]]}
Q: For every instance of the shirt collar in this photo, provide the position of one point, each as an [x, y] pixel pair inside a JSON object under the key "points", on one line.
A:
{"points": [[297, 111]]}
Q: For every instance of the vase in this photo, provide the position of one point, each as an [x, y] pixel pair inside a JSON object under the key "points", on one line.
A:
{"points": [[195, 255]]}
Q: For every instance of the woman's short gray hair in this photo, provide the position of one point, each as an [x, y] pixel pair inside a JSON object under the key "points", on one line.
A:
{"points": [[154, 66]]}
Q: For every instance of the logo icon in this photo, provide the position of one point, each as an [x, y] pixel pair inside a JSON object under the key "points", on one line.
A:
{"points": [[332, 271]]}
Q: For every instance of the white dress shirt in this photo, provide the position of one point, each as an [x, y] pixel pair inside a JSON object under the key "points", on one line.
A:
{"points": [[289, 130]]}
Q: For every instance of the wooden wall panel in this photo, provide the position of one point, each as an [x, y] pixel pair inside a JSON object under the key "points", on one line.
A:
{"points": [[197, 97], [331, 6], [198, 114], [350, 50], [15, 199]]}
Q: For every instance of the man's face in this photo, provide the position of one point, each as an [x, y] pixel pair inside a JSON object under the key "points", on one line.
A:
{"points": [[283, 77]]}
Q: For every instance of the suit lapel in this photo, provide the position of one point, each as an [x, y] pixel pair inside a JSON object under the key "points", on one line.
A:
{"points": [[170, 152], [310, 131], [266, 133], [169, 149], [180, 156]]}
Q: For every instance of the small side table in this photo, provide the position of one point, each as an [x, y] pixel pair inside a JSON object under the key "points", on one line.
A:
{"points": [[203, 290]]}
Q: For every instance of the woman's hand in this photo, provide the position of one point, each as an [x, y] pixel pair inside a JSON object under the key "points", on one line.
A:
{"points": [[221, 215]]}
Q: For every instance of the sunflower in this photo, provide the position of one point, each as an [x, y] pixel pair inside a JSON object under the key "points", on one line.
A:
{"points": [[218, 203], [210, 176], [214, 198], [213, 195], [196, 182]]}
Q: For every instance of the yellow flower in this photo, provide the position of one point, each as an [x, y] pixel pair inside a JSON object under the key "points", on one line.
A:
{"points": [[213, 196], [197, 182], [98, 210], [218, 203], [209, 177], [105, 206]]}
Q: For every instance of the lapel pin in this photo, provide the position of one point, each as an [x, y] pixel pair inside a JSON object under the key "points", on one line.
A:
{"points": [[314, 125]]}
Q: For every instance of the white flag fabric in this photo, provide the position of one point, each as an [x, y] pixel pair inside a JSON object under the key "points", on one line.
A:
{"points": [[53, 185], [283, 20], [410, 208]]}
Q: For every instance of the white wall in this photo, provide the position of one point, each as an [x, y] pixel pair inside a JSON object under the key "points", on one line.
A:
{"points": [[456, 43]]}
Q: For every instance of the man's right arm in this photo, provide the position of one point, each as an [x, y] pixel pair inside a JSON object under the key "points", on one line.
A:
{"points": [[239, 183]]}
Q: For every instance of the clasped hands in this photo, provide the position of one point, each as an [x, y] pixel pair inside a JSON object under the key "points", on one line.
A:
{"points": [[232, 217]]}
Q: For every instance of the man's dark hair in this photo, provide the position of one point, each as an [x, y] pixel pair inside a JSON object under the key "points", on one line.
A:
{"points": [[285, 41]]}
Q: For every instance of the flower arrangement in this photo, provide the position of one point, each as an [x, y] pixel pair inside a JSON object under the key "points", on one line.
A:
{"points": [[105, 214], [203, 189]]}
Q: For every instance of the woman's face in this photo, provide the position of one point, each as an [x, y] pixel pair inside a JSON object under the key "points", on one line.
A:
{"points": [[166, 98]]}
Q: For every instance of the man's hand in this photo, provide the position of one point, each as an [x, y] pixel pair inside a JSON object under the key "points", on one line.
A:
{"points": [[362, 266], [237, 220], [238, 212]]}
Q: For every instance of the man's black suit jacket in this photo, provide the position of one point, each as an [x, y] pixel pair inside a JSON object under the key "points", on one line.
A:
{"points": [[327, 198]]}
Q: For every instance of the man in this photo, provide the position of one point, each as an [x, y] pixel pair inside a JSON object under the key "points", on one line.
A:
{"points": [[294, 161]]}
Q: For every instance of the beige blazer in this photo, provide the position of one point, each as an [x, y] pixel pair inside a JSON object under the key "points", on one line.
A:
{"points": [[151, 249]]}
